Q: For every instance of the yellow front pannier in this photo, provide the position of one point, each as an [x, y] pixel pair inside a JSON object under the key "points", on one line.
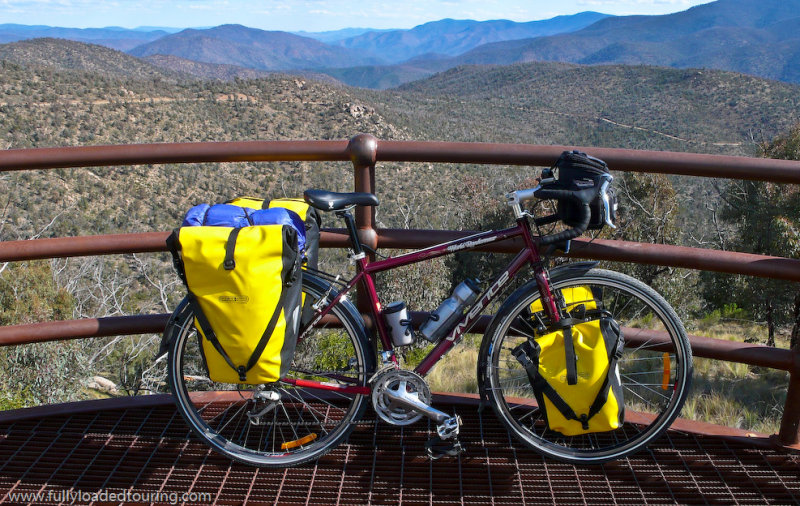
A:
{"points": [[576, 380], [244, 289]]}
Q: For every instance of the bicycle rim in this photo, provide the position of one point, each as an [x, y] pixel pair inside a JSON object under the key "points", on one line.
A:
{"points": [[655, 370], [246, 423]]}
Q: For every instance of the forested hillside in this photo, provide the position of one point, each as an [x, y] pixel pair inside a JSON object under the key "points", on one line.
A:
{"points": [[617, 106], [60, 54], [634, 107]]}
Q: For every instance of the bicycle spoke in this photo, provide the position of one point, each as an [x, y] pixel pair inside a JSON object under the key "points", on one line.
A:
{"points": [[646, 401], [309, 408], [646, 387]]}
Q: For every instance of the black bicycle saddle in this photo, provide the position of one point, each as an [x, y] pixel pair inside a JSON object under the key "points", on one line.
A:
{"points": [[333, 201]]}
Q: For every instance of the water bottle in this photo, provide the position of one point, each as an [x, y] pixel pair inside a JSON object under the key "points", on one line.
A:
{"points": [[450, 311], [396, 317]]}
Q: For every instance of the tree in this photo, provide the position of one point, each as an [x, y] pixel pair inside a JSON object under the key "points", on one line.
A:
{"points": [[788, 148], [37, 373], [649, 209], [766, 221]]}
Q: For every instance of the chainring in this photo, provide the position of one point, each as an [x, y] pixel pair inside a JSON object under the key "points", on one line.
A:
{"points": [[398, 380]]}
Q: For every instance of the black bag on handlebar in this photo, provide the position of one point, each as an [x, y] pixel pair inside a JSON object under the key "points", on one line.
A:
{"points": [[579, 171]]}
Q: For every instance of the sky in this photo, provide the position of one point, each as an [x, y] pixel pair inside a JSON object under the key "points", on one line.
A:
{"points": [[308, 15]]}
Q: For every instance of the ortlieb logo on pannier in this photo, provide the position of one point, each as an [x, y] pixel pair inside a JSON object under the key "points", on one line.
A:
{"points": [[244, 286], [573, 371]]}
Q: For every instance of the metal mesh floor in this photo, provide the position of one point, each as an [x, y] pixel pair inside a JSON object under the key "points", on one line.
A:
{"points": [[143, 448]]}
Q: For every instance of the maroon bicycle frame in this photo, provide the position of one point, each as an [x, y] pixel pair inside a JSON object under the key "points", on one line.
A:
{"points": [[365, 270]]}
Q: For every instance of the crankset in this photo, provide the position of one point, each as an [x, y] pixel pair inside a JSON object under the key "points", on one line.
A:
{"points": [[402, 397], [390, 387]]}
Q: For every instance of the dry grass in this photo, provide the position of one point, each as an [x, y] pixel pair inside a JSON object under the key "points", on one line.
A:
{"points": [[736, 395], [457, 372]]}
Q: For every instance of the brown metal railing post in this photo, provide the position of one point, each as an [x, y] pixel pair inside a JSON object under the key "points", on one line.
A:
{"points": [[789, 434], [363, 149]]}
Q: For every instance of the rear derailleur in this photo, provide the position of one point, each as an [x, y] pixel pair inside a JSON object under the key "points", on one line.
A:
{"points": [[262, 402]]}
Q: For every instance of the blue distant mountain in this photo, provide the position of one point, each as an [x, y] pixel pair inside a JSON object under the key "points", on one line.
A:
{"points": [[114, 37], [758, 37], [451, 37], [337, 35], [253, 48]]}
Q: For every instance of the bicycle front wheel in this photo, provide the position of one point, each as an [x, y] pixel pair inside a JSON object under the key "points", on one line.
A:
{"points": [[655, 369], [287, 423]]}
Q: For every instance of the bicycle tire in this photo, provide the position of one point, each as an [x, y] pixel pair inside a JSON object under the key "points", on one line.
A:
{"points": [[310, 421], [650, 407]]}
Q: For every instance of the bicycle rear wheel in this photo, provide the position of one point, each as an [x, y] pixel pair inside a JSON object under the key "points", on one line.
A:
{"points": [[285, 423], [655, 369]]}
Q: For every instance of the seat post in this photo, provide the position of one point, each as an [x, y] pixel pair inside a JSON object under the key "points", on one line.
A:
{"points": [[350, 224]]}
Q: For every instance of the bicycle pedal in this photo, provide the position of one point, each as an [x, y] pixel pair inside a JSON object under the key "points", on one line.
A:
{"points": [[438, 448]]}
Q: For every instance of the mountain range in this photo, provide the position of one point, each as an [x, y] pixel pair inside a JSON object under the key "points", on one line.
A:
{"points": [[451, 37], [753, 37], [253, 48], [114, 37], [757, 37]]}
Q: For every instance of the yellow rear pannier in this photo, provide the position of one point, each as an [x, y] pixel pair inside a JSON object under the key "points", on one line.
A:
{"points": [[244, 289], [312, 222], [576, 380]]}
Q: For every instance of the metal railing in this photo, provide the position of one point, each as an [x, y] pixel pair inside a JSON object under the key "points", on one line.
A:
{"points": [[364, 151]]}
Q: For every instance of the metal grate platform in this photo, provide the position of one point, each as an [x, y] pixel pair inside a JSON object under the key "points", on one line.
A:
{"points": [[141, 446]]}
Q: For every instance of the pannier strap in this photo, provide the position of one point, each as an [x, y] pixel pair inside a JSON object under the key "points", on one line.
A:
{"points": [[523, 354], [205, 326], [569, 352], [230, 247], [560, 403], [209, 333], [262, 343]]}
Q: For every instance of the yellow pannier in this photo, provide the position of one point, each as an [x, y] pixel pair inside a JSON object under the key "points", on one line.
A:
{"points": [[576, 380], [312, 221], [308, 215], [244, 288]]}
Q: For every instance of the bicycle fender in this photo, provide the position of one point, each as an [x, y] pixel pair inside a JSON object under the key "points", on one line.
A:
{"points": [[169, 331], [571, 270]]}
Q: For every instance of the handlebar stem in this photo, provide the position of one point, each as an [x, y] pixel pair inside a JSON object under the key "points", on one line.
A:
{"points": [[515, 199]]}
